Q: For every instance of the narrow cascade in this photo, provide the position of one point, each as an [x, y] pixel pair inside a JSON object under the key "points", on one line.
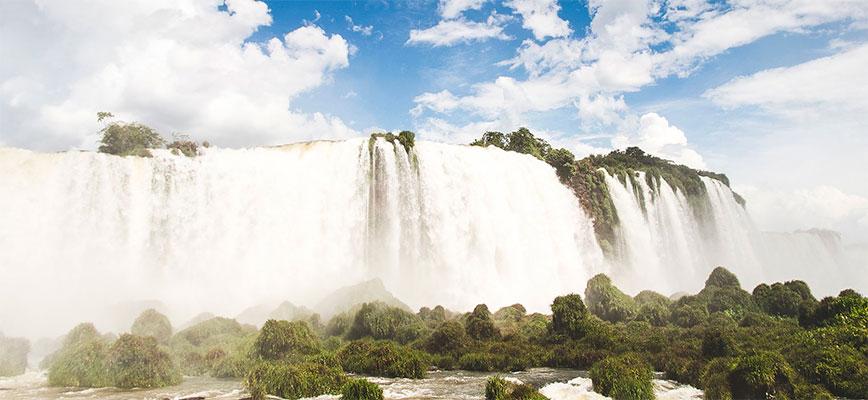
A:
{"points": [[439, 224]]}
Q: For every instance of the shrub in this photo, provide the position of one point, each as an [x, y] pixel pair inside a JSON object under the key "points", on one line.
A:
{"points": [[607, 301], [127, 139], [339, 325], [715, 379], [777, 299], [407, 139], [688, 311], [81, 361], [479, 324], [569, 316], [433, 317], [379, 321], [656, 314], [449, 338], [514, 313], [382, 358], [626, 376], [13, 355], [293, 381], [361, 389], [814, 392], [562, 161], [281, 339], [576, 355], [214, 331], [729, 300], [837, 366], [497, 388], [721, 277], [849, 309], [138, 362], [762, 375], [152, 323], [183, 145]]}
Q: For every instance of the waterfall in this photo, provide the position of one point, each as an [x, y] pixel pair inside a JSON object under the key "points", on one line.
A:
{"points": [[668, 243], [440, 224]]}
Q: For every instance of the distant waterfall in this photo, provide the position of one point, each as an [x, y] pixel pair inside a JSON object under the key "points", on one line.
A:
{"points": [[441, 224], [668, 244]]}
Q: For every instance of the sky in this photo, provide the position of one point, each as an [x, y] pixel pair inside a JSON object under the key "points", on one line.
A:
{"points": [[773, 93]]}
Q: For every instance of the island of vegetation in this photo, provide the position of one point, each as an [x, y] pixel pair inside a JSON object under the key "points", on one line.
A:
{"points": [[777, 341]]}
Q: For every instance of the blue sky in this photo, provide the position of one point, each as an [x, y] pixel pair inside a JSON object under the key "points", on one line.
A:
{"points": [[772, 92]]}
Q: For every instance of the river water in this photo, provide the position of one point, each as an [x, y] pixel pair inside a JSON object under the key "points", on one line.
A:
{"points": [[557, 384]]}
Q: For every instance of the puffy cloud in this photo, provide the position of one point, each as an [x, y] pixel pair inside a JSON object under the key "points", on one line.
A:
{"points": [[454, 31], [176, 65], [541, 17], [453, 8], [829, 85], [656, 136]]}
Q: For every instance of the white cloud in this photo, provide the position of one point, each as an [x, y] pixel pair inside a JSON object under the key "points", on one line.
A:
{"points": [[176, 65], [454, 31], [364, 30], [453, 8], [656, 136], [541, 17], [835, 84]]}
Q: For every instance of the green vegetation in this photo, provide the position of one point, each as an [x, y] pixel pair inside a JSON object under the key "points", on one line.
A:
{"points": [[361, 389], [729, 342], [406, 139], [382, 358], [497, 388], [138, 362], [625, 377], [152, 323], [137, 139], [13, 355]]}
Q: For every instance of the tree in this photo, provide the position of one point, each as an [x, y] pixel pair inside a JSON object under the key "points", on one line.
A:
{"points": [[152, 323], [721, 277], [569, 316], [127, 139], [449, 338], [562, 160], [479, 324]]}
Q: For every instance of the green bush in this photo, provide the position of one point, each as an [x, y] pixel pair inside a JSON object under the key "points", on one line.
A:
{"points": [[850, 309], [449, 338], [380, 321], [623, 377], [656, 314], [607, 301], [13, 355], [128, 139], [569, 316], [339, 325], [82, 361], [293, 381], [777, 299], [688, 311], [836, 365], [715, 379], [479, 325], [762, 375], [382, 358], [361, 389], [138, 362], [152, 323], [281, 339], [721, 277]]}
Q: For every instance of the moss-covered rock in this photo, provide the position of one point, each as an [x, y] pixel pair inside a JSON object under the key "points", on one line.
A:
{"points": [[762, 375], [138, 362], [623, 377], [722, 278]]}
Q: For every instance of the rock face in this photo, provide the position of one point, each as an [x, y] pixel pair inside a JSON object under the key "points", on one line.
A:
{"points": [[346, 298], [13, 355]]}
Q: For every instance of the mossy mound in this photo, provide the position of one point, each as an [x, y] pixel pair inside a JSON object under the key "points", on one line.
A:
{"points": [[138, 362], [293, 381], [608, 302], [13, 355], [82, 361], [497, 388], [152, 323], [284, 339], [383, 358], [361, 389]]}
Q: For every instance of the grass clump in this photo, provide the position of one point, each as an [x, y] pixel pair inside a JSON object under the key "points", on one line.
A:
{"points": [[497, 388], [152, 323], [361, 389], [138, 362], [293, 381], [383, 358], [623, 377]]}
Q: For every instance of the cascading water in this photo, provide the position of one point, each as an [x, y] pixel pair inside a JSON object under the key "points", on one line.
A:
{"points": [[666, 243], [441, 224]]}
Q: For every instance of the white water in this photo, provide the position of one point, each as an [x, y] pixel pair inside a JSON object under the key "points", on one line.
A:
{"points": [[80, 232], [662, 237]]}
